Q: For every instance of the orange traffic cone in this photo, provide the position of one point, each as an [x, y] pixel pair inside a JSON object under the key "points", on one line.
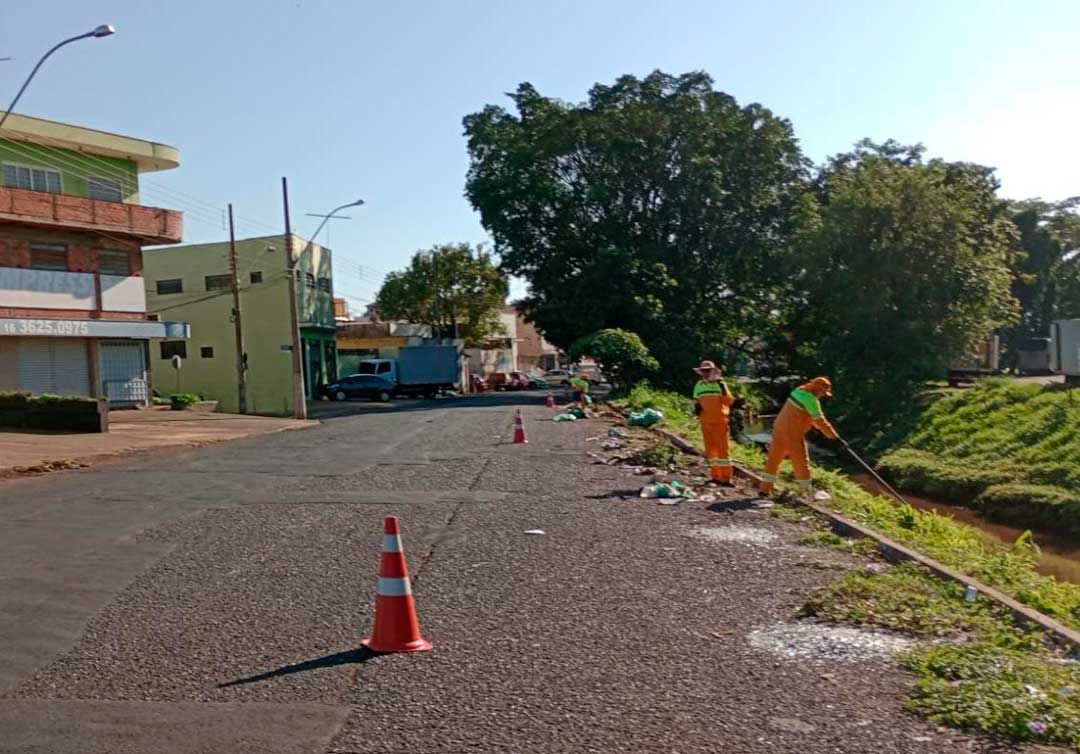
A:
{"points": [[550, 402], [396, 626], [519, 429]]}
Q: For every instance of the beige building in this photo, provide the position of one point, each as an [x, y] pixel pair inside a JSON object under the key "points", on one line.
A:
{"points": [[193, 283]]}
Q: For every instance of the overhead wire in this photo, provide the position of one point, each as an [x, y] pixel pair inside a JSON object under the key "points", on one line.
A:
{"points": [[208, 212], [72, 167], [160, 188]]}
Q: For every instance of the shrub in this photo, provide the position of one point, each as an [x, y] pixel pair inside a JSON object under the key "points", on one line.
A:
{"points": [[181, 401], [621, 354]]}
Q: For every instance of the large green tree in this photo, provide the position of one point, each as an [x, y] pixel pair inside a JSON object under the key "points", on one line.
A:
{"points": [[659, 206], [453, 287], [905, 270], [1047, 273]]}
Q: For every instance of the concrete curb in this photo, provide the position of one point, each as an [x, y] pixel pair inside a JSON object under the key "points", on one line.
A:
{"points": [[896, 552]]}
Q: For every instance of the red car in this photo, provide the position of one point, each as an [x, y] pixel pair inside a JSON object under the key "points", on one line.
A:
{"points": [[509, 381], [478, 383]]}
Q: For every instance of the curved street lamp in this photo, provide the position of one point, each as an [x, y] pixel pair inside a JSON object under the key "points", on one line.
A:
{"points": [[326, 217], [101, 31]]}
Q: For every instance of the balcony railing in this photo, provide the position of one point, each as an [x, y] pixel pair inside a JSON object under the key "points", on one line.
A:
{"points": [[149, 225]]}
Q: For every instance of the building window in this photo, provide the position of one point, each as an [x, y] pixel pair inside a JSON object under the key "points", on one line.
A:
{"points": [[218, 282], [207, 352], [175, 285], [309, 280], [170, 348], [48, 256], [33, 179], [256, 278], [112, 262], [324, 284], [104, 189]]}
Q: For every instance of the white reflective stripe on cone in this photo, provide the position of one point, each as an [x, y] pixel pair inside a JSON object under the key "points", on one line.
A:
{"points": [[388, 587], [802, 482], [391, 543]]}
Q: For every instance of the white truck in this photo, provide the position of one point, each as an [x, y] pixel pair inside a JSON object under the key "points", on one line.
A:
{"points": [[1065, 348], [418, 370]]}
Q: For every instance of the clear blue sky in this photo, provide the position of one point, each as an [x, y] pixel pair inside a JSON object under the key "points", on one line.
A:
{"points": [[365, 99]]}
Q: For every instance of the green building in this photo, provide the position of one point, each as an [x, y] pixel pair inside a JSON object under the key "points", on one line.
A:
{"points": [[193, 284]]}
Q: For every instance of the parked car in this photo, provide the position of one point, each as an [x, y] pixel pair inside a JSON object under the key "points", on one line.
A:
{"points": [[509, 381], [538, 383], [360, 386], [557, 376], [479, 384]]}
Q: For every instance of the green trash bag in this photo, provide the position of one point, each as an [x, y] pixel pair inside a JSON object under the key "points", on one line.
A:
{"points": [[564, 418], [577, 412], [646, 418]]}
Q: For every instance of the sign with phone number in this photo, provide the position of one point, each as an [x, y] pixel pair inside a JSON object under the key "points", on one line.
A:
{"points": [[78, 328]]}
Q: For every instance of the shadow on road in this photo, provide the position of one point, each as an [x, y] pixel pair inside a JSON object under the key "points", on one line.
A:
{"points": [[352, 657], [730, 506], [333, 410]]}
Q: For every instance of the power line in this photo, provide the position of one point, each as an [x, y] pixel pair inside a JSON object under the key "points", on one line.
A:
{"points": [[72, 167], [109, 170]]}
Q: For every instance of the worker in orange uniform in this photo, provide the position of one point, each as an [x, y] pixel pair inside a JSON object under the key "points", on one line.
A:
{"points": [[713, 402], [801, 412]]}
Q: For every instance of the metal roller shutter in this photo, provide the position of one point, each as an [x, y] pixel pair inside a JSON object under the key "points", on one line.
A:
{"points": [[123, 372], [54, 365]]}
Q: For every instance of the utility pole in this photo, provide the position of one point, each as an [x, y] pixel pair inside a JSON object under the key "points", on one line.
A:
{"points": [[435, 278], [238, 325], [299, 402]]}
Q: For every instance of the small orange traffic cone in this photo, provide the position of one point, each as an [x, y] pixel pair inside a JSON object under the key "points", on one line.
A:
{"points": [[396, 626], [550, 402], [519, 429]]}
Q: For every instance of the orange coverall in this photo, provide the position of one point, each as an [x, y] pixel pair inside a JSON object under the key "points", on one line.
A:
{"points": [[715, 400], [800, 413]]}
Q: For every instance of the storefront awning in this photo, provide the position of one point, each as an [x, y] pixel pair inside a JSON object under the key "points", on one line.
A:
{"points": [[92, 328]]}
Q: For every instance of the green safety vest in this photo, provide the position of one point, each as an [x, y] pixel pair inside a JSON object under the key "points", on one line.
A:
{"points": [[807, 401], [709, 388]]}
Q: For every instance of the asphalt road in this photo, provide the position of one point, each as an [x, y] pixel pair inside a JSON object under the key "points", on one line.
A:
{"points": [[213, 601]]}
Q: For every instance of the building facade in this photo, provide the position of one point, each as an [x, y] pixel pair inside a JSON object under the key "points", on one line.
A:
{"points": [[73, 315], [194, 283]]}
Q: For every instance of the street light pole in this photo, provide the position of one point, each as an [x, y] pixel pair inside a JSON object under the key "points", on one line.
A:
{"points": [[101, 31], [300, 406]]}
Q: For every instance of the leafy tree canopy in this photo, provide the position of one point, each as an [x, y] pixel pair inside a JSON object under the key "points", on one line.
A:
{"points": [[621, 355], [1047, 273], [905, 270], [660, 205], [454, 288]]}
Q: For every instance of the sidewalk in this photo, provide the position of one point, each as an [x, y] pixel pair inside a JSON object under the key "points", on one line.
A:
{"points": [[28, 451]]}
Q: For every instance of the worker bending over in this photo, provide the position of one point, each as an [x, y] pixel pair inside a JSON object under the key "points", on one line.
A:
{"points": [[713, 401], [581, 390], [801, 412]]}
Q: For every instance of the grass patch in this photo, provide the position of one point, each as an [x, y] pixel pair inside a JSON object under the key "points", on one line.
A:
{"points": [[998, 690], [659, 454], [909, 599], [824, 538], [1009, 449]]}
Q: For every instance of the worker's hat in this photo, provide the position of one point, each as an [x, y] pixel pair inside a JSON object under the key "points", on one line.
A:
{"points": [[707, 370], [824, 384]]}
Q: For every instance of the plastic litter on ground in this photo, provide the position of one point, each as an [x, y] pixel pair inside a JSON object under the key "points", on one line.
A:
{"points": [[822, 642]]}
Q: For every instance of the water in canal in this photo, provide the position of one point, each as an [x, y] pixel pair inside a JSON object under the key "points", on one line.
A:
{"points": [[1059, 558]]}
